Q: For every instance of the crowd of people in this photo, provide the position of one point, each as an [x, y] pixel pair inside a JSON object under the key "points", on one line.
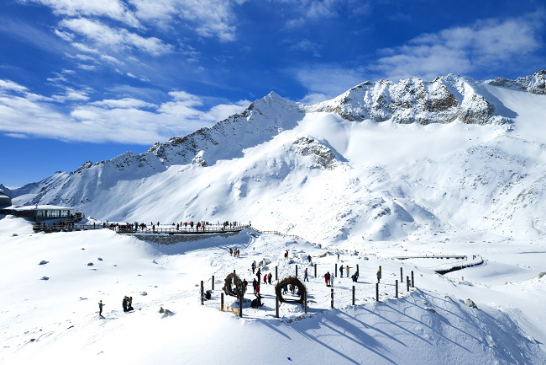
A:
{"points": [[267, 278]]}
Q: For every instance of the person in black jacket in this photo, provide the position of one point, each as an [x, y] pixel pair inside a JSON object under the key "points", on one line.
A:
{"points": [[101, 305]]}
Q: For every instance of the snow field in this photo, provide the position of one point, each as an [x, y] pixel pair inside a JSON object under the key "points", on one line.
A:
{"points": [[56, 321]]}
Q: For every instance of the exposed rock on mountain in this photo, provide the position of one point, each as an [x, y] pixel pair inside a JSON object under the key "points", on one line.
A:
{"points": [[535, 83], [415, 101]]}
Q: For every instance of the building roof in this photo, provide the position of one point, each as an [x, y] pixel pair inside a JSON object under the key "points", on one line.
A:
{"points": [[40, 207]]}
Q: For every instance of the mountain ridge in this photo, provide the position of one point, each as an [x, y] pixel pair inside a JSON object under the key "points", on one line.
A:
{"points": [[343, 161]]}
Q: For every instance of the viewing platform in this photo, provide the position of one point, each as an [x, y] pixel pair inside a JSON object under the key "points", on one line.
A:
{"points": [[131, 229]]}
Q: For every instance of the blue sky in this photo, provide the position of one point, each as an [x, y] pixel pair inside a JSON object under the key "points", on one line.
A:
{"points": [[89, 79]]}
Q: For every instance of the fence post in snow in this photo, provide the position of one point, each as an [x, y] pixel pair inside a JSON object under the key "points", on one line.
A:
{"points": [[377, 292], [276, 273], [305, 301], [332, 298], [315, 271], [357, 269], [202, 292], [407, 283], [276, 306], [335, 272], [212, 282], [241, 306], [401, 275], [296, 270], [353, 295], [222, 302], [396, 287], [412, 282]]}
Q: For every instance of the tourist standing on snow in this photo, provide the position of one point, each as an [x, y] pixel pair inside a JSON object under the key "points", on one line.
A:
{"points": [[265, 278], [347, 272], [230, 251], [269, 278], [101, 304], [341, 271], [305, 277], [309, 258], [124, 303], [378, 275], [259, 274], [130, 304], [253, 267], [327, 278], [286, 255], [257, 289]]}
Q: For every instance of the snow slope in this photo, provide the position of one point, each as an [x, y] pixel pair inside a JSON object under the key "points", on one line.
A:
{"points": [[55, 321], [445, 155]]}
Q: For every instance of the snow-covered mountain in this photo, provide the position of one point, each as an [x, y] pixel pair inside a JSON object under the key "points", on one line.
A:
{"points": [[381, 161]]}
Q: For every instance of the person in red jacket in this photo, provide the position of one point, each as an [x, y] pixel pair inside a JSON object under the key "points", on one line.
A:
{"points": [[265, 278]]}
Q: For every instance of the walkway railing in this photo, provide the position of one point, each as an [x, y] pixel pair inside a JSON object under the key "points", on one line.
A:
{"points": [[123, 228], [181, 230]]}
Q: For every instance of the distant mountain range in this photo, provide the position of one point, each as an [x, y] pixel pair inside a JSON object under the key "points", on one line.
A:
{"points": [[382, 161]]}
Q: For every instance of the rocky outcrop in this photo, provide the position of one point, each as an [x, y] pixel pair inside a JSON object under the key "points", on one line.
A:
{"points": [[322, 156], [536, 83], [414, 101]]}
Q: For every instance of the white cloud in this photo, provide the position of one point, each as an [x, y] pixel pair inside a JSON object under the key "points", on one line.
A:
{"points": [[304, 45], [114, 9], [313, 98], [16, 135], [222, 111], [126, 103], [10, 85], [108, 120], [82, 47], [87, 67], [313, 10], [110, 59], [483, 45], [69, 37], [119, 39], [71, 94], [209, 18], [187, 99]]}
